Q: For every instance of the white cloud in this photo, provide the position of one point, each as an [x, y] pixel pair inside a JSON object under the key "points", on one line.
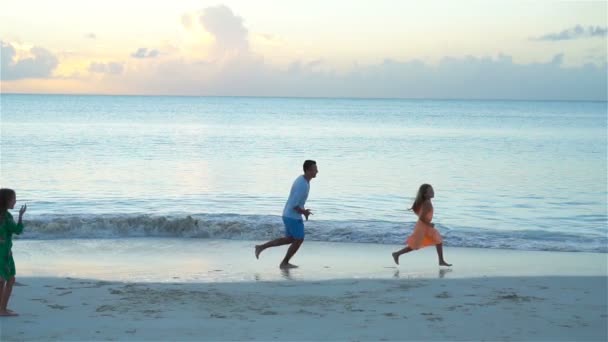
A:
{"points": [[112, 68], [40, 65], [145, 53], [576, 32], [234, 70], [230, 37], [453, 78]]}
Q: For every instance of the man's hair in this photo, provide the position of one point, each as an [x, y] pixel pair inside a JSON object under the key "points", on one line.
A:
{"points": [[308, 164]]}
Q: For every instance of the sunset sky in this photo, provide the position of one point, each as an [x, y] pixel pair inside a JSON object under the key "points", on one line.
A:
{"points": [[406, 49]]}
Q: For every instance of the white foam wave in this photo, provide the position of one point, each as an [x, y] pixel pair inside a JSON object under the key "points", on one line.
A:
{"points": [[259, 227]]}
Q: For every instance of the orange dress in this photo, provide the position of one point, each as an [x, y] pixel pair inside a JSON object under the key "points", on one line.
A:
{"points": [[424, 234]]}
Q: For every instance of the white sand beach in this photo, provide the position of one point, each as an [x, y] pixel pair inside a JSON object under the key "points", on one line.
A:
{"points": [[340, 292]]}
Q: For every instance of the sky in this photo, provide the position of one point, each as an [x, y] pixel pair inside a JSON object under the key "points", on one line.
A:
{"points": [[531, 50]]}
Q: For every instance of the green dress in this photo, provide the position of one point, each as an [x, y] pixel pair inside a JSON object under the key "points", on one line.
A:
{"points": [[8, 227]]}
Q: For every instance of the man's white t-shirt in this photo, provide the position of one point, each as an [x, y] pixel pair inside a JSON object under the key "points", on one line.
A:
{"points": [[297, 198]]}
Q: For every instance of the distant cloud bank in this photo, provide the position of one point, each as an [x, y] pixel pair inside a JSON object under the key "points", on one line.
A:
{"points": [[241, 72], [40, 65], [576, 32], [231, 68]]}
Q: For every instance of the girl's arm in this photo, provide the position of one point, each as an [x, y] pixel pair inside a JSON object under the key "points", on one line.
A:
{"points": [[11, 226]]}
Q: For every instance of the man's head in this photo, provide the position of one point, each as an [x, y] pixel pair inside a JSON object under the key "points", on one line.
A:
{"points": [[310, 169]]}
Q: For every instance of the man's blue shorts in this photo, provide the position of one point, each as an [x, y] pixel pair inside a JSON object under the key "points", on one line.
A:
{"points": [[294, 228]]}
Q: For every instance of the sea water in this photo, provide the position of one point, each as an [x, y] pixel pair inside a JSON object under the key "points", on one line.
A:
{"points": [[506, 174]]}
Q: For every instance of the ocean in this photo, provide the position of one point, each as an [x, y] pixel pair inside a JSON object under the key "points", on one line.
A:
{"points": [[525, 175]]}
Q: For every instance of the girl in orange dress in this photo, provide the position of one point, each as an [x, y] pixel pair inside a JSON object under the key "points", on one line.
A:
{"points": [[424, 233]]}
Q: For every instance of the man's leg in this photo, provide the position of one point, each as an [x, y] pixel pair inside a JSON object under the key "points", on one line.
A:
{"points": [[291, 251], [276, 242]]}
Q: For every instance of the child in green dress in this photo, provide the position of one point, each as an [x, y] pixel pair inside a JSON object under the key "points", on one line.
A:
{"points": [[8, 227]]}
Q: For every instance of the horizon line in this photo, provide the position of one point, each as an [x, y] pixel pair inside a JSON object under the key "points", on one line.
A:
{"points": [[312, 97]]}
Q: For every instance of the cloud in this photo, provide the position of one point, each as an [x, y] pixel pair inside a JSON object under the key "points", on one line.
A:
{"points": [[231, 36], [112, 68], [187, 22], [233, 69], [41, 65], [144, 53], [576, 32], [238, 71], [227, 28], [90, 36], [452, 78]]}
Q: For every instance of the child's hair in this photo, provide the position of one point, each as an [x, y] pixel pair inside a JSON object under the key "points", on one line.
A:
{"points": [[6, 195], [420, 197]]}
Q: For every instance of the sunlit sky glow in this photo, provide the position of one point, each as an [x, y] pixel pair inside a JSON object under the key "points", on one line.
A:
{"points": [[408, 49]]}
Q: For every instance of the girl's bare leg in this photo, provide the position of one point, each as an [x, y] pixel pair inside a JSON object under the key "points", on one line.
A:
{"points": [[399, 252], [442, 261]]}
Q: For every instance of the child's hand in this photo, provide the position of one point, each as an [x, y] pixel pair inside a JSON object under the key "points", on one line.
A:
{"points": [[22, 210]]}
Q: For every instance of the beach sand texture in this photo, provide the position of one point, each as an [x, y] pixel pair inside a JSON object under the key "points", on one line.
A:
{"points": [[566, 303]]}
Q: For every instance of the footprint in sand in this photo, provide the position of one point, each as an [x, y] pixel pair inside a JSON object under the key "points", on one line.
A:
{"points": [[102, 283], [443, 295], [104, 308], [41, 300], [57, 306], [431, 316], [453, 307], [514, 297], [268, 312]]}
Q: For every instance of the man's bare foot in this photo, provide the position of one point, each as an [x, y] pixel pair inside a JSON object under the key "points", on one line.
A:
{"points": [[8, 313], [258, 250], [288, 265], [443, 263], [396, 258]]}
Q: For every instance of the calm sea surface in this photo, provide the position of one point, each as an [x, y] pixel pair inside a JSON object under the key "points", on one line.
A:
{"points": [[507, 174]]}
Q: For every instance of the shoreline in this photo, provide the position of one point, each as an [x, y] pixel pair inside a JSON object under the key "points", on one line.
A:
{"points": [[180, 289], [209, 260]]}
